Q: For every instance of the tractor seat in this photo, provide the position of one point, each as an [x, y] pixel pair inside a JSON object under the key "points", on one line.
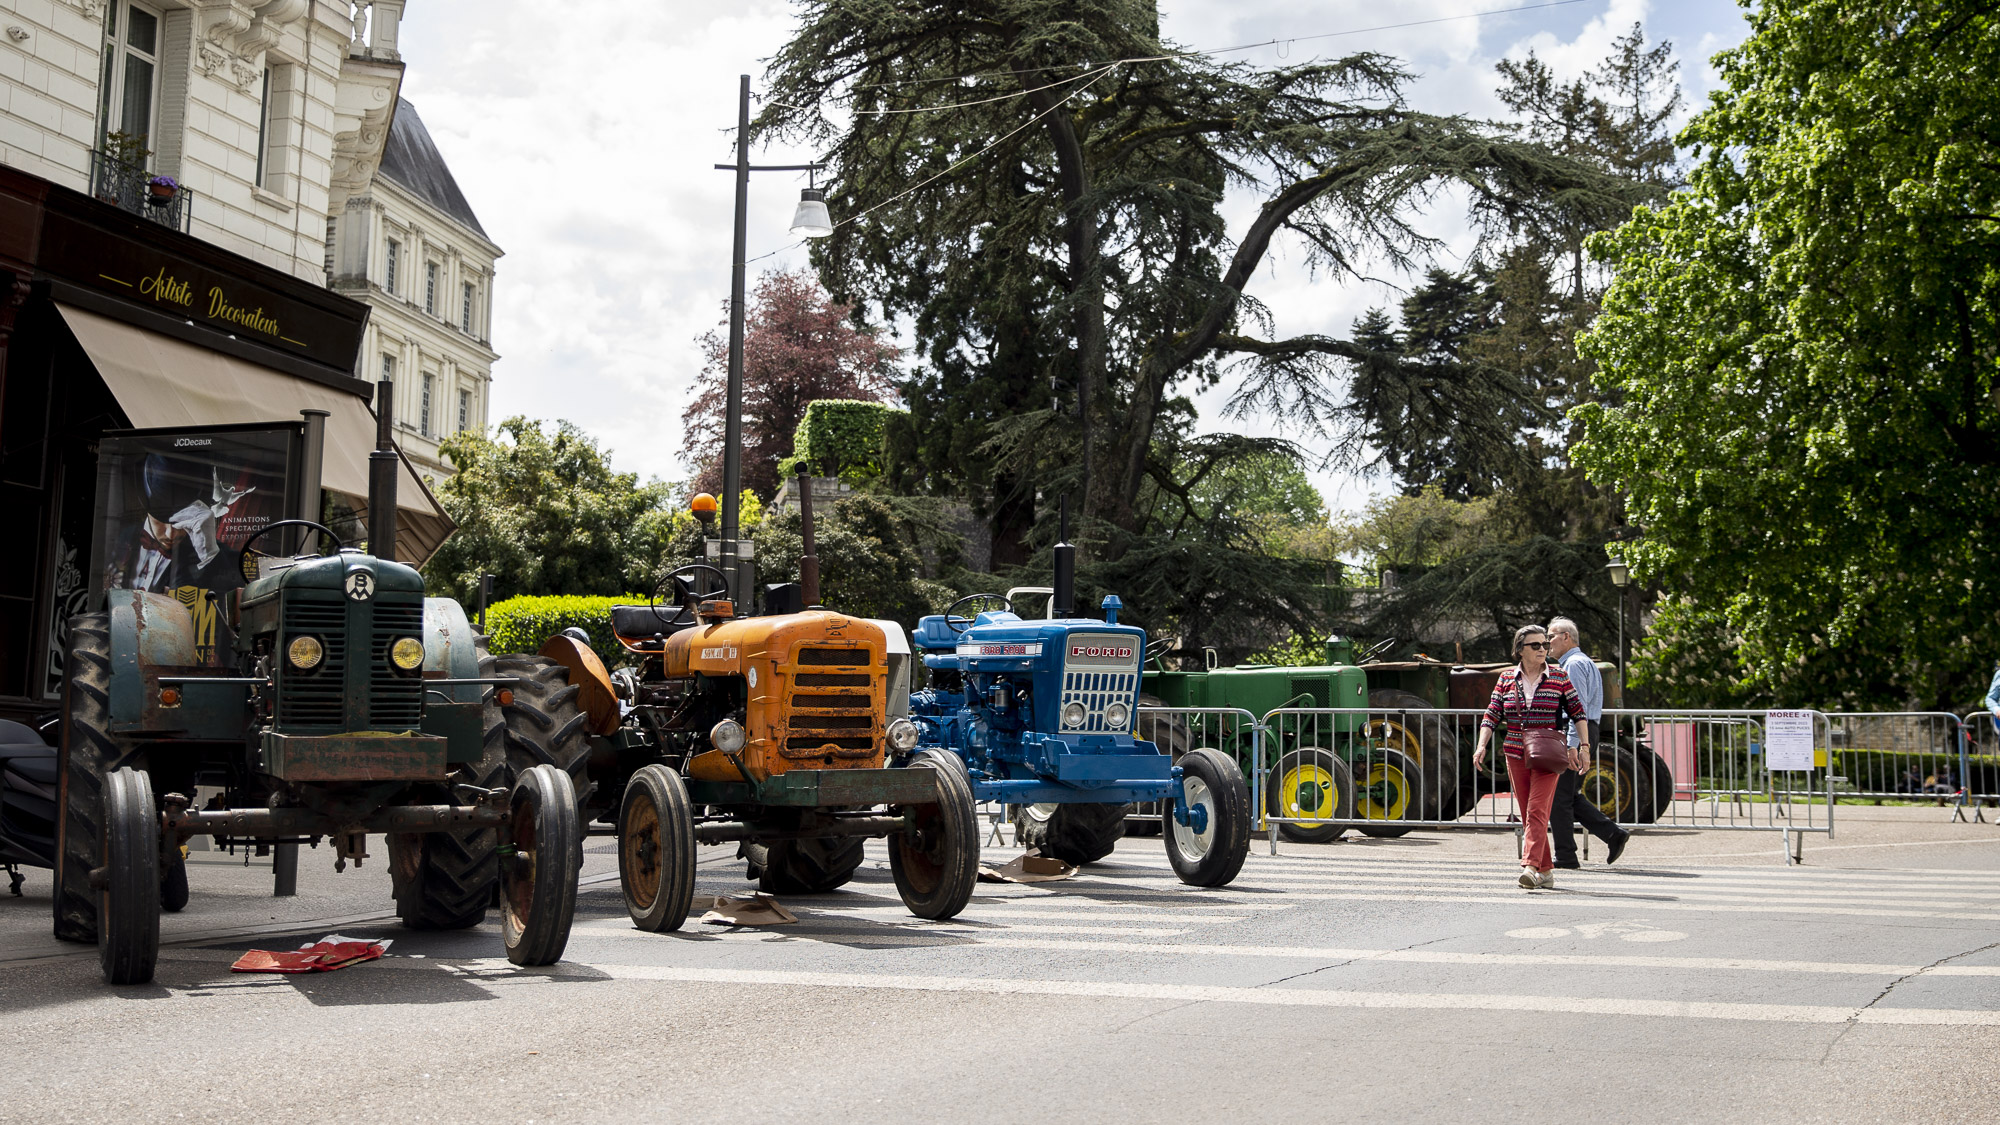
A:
{"points": [[24, 755], [639, 622]]}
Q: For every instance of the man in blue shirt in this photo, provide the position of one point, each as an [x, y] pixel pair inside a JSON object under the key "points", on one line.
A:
{"points": [[1570, 806], [1993, 698]]}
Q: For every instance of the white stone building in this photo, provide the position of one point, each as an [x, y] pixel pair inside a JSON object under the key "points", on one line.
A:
{"points": [[411, 247], [268, 113]]}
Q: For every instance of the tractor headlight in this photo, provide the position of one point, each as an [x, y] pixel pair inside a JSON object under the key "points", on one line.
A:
{"points": [[1072, 714], [902, 734], [305, 653], [407, 653], [726, 736], [1117, 716]]}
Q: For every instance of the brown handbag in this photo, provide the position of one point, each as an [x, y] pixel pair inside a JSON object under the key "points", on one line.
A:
{"points": [[1545, 749]]}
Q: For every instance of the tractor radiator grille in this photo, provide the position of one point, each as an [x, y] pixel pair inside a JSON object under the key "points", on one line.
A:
{"points": [[395, 702], [313, 699], [850, 657], [832, 709], [1096, 691]]}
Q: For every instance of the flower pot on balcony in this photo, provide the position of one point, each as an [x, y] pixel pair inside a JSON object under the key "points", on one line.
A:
{"points": [[159, 194]]}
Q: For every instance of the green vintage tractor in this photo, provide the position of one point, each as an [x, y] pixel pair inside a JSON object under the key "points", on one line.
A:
{"points": [[1382, 768], [350, 705]]}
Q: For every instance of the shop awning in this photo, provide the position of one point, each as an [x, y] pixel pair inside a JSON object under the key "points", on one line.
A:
{"points": [[161, 383]]}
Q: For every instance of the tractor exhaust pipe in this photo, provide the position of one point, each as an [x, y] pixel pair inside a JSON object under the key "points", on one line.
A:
{"points": [[1064, 600], [808, 562], [382, 469]]}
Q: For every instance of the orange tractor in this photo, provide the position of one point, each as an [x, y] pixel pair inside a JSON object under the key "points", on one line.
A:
{"points": [[785, 733]]}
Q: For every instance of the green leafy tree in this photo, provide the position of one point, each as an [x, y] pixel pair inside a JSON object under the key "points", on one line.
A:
{"points": [[545, 514], [1075, 188], [1799, 355]]}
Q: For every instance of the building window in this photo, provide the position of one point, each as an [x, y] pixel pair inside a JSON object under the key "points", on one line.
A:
{"points": [[465, 308], [431, 288], [395, 255], [388, 369], [264, 131], [464, 410], [424, 422], [130, 90]]}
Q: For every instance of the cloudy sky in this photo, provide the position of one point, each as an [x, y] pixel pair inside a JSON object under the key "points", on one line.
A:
{"points": [[584, 136]]}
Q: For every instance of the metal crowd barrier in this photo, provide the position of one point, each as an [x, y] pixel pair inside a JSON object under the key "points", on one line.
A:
{"points": [[1899, 755], [1385, 772], [1177, 730], [1980, 744]]}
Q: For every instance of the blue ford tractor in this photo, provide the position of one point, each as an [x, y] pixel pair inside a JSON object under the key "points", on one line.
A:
{"points": [[1043, 713]]}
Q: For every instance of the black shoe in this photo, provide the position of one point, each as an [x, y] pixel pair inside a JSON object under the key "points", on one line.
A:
{"points": [[1569, 865], [1616, 848]]}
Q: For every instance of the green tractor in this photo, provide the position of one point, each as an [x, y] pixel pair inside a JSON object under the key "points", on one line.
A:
{"points": [[346, 704], [1378, 768]]}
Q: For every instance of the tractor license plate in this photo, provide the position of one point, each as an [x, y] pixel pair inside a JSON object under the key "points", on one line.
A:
{"points": [[355, 757]]}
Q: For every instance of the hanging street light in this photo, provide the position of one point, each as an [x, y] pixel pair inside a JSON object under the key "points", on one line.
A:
{"points": [[812, 221]]}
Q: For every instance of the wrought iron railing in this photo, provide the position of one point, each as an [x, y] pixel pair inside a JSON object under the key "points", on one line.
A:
{"points": [[129, 187]]}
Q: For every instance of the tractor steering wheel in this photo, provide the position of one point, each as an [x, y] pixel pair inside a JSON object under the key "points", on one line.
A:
{"points": [[1157, 647], [951, 618], [686, 595], [249, 557], [1375, 651]]}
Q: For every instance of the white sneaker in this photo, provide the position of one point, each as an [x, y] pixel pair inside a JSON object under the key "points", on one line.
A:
{"points": [[1528, 879], [1547, 880]]}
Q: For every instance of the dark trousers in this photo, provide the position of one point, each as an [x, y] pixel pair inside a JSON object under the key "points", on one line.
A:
{"points": [[1570, 808]]}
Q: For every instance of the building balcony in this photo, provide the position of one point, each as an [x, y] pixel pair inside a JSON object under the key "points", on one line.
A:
{"points": [[128, 188]]}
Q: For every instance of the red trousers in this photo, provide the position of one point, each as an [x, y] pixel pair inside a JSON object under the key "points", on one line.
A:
{"points": [[1534, 792]]}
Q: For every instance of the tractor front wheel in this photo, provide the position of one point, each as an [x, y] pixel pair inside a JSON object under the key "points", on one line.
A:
{"points": [[936, 862], [128, 914], [656, 849], [1210, 849], [1387, 788], [539, 860], [1310, 785]]}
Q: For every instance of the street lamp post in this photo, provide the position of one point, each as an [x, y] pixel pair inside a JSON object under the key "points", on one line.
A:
{"points": [[1621, 576], [812, 221]]}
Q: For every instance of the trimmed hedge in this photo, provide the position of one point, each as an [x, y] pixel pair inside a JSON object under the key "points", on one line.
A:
{"points": [[521, 624], [839, 437]]}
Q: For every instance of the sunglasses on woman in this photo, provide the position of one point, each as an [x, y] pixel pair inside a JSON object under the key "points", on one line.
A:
{"points": [[1534, 644]]}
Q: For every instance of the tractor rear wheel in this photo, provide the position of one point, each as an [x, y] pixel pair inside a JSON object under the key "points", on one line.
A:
{"points": [[812, 866], [445, 880], [1660, 780], [656, 849], [88, 755], [538, 867], [1210, 849], [174, 882], [1076, 834], [128, 918], [936, 865], [543, 726], [1613, 782], [1310, 784]]}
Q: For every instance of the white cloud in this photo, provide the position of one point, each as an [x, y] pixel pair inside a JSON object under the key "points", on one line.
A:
{"points": [[584, 136]]}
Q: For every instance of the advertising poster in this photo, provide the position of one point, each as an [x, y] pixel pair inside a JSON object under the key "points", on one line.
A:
{"points": [[175, 508]]}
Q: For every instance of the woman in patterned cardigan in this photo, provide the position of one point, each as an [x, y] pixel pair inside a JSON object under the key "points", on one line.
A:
{"points": [[1533, 693]]}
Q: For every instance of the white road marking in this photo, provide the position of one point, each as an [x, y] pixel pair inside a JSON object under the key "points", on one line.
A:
{"points": [[1629, 902], [1282, 997], [812, 922], [1003, 915], [920, 937]]}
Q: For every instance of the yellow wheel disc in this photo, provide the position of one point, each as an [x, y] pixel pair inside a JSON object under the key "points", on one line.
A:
{"points": [[1368, 803], [1297, 778], [1601, 787], [1387, 734]]}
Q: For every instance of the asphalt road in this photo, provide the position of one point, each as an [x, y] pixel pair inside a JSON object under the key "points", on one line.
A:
{"points": [[1391, 980]]}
